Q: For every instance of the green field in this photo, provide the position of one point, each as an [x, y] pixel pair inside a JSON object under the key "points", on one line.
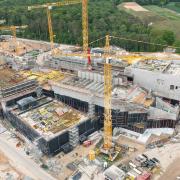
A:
{"points": [[160, 18], [175, 6], [163, 12]]}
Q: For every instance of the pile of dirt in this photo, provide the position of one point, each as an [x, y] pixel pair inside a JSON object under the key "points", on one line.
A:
{"points": [[134, 6]]}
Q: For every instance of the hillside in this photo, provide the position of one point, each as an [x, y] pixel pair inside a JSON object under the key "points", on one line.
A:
{"points": [[160, 18], [175, 6], [104, 17]]}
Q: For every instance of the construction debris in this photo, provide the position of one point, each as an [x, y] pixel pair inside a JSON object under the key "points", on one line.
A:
{"points": [[56, 101]]}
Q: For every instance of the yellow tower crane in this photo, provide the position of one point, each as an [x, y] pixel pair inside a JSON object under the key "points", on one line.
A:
{"points": [[107, 97], [85, 25], [49, 6], [13, 29]]}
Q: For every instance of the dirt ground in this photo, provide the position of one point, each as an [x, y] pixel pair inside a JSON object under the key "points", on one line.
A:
{"points": [[170, 160], [168, 156], [172, 171], [80, 152], [134, 6], [140, 148], [70, 157], [130, 142], [7, 170]]}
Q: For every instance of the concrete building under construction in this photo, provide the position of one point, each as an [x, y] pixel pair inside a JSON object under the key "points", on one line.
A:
{"points": [[76, 107], [162, 77], [131, 105], [50, 124], [13, 86]]}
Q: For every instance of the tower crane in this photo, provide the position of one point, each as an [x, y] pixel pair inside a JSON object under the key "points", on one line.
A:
{"points": [[49, 6], [13, 29], [107, 97]]}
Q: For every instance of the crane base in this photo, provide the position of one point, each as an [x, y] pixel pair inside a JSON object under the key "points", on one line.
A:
{"points": [[112, 153]]}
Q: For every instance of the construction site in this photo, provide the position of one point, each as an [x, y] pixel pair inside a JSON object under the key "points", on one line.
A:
{"points": [[88, 113]]}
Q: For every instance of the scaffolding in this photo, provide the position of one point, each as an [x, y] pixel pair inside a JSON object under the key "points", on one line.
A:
{"points": [[18, 88], [74, 137]]}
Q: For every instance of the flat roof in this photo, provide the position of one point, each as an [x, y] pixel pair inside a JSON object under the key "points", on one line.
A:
{"points": [[166, 67], [85, 84], [51, 118], [127, 93], [173, 69], [44, 75], [152, 65]]}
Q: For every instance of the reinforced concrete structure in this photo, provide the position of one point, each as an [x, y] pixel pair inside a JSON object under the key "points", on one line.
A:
{"points": [[144, 95], [13, 86], [132, 106], [159, 77], [50, 124], [85, 93]]}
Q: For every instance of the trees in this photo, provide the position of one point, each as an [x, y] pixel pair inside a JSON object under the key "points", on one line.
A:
{"points": [[169, 37], [177, 44], [161, 37], [104, 17]]}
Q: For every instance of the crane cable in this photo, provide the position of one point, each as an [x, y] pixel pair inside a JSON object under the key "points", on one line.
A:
{"points": [[134, 40], [97, 40]]}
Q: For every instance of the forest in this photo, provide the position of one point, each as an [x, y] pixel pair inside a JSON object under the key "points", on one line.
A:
{"points": [[104, 18]]}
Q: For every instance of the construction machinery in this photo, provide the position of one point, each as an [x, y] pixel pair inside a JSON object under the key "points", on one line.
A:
{"points": [[108, 148], [49, 6], [13, 29], [107, 98], [92, 155]]}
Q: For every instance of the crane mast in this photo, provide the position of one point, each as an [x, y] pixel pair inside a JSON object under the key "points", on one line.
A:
{"points": [[13, 30], [51, 34], [48, 7], [107, 98], [85, 25]]}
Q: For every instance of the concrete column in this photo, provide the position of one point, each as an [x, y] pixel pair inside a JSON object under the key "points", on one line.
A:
{"points": [[3, 109], [3, 104]]}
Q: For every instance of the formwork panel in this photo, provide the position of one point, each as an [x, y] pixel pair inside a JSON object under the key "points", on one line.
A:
{"points": [[51, 145], [89, 126], [121, 119], [137, 117], [22, 127], [163, 123], [75, 103], [55, 144]]}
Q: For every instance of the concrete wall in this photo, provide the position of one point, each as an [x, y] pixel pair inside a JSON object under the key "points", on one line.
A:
{"points": [[155, 113], [165, 85], [53, 146], [88, 96], [22, 126], [97, 77], [71, 93]]}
